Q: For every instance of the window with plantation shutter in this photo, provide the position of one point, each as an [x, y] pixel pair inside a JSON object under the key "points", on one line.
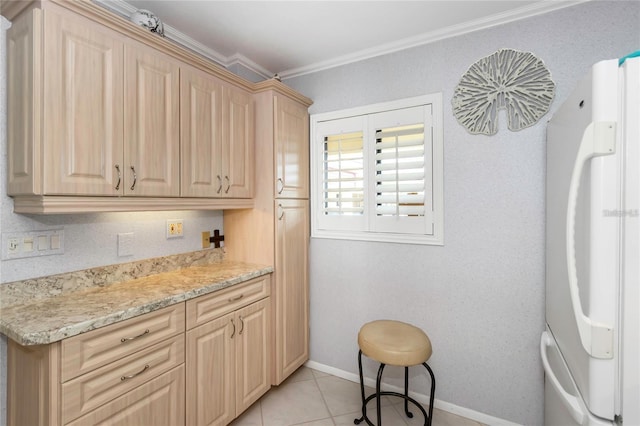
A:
{"points": [[342, 182], [377, 172], [343, 177]]}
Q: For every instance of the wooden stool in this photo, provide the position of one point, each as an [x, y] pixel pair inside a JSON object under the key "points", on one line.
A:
{"points": [[394, 343]]}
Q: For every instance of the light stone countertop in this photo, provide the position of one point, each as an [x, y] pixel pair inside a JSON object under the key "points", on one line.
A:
{"points": [[50, 319]]}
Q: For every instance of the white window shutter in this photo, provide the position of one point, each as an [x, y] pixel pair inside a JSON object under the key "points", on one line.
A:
{"points": [[402, 178], [341, 181], [377, 172]]}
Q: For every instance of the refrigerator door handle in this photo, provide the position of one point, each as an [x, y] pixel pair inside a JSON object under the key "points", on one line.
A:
{"points": [[569, 401], [598, 139]]}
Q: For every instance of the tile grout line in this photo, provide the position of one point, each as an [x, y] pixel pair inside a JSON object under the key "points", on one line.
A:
{"points": [[261, 413], [315, 380]]}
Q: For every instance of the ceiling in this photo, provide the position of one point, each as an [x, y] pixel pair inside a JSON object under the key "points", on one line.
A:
{"points": [[297, 37]]}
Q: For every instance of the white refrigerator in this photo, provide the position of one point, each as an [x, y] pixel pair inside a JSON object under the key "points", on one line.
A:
{"points": [[591, 346]]}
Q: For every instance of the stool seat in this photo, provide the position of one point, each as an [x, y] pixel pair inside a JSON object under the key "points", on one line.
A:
{"points": [[394, 343]]}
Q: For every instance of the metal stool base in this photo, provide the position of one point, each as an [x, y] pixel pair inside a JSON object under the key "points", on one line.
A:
{"points": [[405, 396]]}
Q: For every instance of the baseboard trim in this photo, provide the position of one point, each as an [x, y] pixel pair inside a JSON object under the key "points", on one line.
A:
{"points": [[422, 398]]}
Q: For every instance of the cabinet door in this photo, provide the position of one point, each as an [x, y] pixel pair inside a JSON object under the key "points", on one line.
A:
{"points": [[24, 40], [253, 378], [158, 402], [291, 149], [211, 372], [237, 149], [151, 111], [292, 286], [82, 134], [200, 134]]}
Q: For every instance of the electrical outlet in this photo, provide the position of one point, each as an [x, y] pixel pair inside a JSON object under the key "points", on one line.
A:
{"points": [[14, 245], [206, 243], [174, 228], [17, 245]]}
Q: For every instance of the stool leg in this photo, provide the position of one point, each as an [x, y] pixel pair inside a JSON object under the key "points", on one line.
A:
{"points": [[433, 392], [406, 393], [364, 404], [378, 397]]}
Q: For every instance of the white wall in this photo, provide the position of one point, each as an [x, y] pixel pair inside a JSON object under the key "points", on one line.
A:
{"points": [[481, 296]]}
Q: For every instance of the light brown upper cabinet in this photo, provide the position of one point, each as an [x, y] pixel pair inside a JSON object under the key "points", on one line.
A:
{"points": [[78, 68], [216, 137], [109, 111], [238, 138], [106, 116], [291, 155], [151, 122]]}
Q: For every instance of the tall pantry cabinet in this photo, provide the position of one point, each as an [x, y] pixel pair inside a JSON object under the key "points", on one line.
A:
{"points": [[278, 225]]}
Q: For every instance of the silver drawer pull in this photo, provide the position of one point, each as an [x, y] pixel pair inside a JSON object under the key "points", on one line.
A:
{"points": [[127, 339], [233, 299], [281, 182], [119, 177], [135, 178], [131, 376]]}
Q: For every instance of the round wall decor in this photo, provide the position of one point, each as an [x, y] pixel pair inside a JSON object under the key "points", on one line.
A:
{"points": [[508, 79]]}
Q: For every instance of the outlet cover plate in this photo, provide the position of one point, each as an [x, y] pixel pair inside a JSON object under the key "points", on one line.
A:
{"points": [[175, 228]]}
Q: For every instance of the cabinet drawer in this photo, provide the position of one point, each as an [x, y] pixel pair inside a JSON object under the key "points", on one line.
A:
{"points": [[94, 349], [158, 402], [91, 390], [212, 306]]}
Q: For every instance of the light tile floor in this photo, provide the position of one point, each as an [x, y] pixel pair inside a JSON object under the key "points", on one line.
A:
{"points": [[313, 398]]}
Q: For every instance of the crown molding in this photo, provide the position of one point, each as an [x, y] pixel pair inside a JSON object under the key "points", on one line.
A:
{"points": [[125, 10], [538, 8], [249, 64], [524, 12]]}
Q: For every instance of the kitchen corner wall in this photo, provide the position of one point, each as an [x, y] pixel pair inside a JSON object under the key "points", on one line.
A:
{"points": [[480, 297], [90, 240]]}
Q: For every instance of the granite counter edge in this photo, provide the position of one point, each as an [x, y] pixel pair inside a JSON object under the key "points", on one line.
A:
{"points": [[46, 337]]}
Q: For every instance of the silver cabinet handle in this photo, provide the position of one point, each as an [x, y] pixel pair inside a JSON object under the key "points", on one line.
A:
{"points": [[127, 339], [281, 185], [281, 215], [233, 333], [226, 191], [233, 299], [219, 184], [135, 178], [241, 326], [119, 176], [131, 376]]}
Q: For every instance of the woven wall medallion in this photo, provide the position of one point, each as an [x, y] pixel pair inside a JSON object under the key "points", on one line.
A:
{"points": [[508, 79]]}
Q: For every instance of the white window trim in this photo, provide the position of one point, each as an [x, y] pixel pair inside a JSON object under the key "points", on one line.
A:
{"points": [[437, 238]]}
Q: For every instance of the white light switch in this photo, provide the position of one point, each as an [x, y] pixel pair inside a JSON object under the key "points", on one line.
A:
{"points": [[55, 242], [43, 242], [27, 245]]}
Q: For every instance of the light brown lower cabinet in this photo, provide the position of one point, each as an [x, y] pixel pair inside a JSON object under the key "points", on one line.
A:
{"points": [[128, 373], [158, 402], [228, 362], [148, 370]]}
